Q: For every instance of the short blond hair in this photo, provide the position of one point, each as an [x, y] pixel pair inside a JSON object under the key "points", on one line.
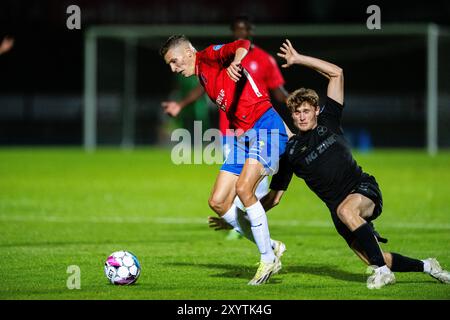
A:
{"points": [[301, 95]]}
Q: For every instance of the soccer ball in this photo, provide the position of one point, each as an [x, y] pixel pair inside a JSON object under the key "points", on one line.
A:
{"points": [[122, 268]]}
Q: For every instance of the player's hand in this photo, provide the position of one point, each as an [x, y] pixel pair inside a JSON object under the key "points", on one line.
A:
{"points": [[218, 224], [289, 53], [234, 71], [172, 108], [6, 44]]}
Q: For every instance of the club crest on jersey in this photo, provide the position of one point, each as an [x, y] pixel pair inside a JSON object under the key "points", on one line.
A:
{"points": [[321, 130], [253, 66], [217, 47]]}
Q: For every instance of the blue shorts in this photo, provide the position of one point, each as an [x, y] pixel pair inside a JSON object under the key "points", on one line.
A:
{"points": [[265, 142]]}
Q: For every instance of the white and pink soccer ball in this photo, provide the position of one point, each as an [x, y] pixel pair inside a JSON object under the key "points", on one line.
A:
{"points": [[122, 268]]}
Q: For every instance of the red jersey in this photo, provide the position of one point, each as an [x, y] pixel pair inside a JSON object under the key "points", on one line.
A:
{"points": [[264, 70], [243, 102]]}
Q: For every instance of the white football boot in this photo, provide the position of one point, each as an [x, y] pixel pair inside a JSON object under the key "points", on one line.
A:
{"points": [[278, 250], [380, 277], [437, 272], [264, 272]]}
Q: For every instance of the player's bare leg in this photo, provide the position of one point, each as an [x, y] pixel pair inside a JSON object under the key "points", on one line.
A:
{"points": [[261, 190], [223, 192], [252, 173], [352, 212], [222, 201], [227, 208]]}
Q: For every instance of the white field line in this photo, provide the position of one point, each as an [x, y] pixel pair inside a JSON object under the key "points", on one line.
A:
{"points": [[198, 221]]}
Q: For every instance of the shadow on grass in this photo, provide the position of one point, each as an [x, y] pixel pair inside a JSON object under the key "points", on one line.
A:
{"points": [[247, 272]]}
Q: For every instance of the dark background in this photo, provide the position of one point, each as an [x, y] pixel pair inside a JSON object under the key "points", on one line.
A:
{"points": [[41, 78]]}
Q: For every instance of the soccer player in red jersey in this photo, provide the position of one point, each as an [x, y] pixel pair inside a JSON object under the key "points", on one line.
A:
{"points": [[265, 72], [259, 142], [263, 67], [261, 64]]}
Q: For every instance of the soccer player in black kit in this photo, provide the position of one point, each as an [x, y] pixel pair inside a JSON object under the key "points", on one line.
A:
{"points": [[320, 155]]}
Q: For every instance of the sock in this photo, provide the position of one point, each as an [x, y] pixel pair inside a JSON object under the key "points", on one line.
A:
{"points": [[404, 264], [244, 224], [260, 230], [368, 243], [231, 218], [426, 266], [385, 269]]}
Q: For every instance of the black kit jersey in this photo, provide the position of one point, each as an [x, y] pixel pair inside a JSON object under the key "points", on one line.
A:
{"points": [[322, 157]]}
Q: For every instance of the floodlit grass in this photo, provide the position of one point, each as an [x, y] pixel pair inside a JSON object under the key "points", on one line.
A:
{"points": [[61, 207]]}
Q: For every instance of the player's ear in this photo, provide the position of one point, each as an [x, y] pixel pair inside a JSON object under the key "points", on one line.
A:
{"points": [[189, 50], [317, 111]]}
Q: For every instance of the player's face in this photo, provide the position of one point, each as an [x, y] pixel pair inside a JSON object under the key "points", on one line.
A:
{"points": [[181, 59], [305, 116], [241, 31]]}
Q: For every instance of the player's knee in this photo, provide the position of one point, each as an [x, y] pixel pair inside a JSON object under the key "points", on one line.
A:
{"points": [[216, 204], [346, 214], [244, 191]]}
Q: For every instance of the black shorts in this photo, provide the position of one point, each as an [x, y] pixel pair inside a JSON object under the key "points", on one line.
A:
{"points": [[368, 187]]}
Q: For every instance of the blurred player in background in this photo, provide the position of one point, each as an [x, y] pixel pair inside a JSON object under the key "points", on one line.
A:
{"points": [[266, 73], [196, 110], [260, 138]]}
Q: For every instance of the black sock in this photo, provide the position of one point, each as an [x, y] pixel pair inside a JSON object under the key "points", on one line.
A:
{"points": [[404, 264], [366, 240]]}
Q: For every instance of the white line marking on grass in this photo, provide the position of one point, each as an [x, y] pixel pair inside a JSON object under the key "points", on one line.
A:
{"points": [[198, 221]]}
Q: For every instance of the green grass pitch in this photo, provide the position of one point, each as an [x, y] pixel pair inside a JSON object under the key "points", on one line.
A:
{"points": [[62, 207]]}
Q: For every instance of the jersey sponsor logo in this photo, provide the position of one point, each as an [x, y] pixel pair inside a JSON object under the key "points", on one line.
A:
{"points": [[221, 103], [321, 148], [217, 47], [311, 157]]}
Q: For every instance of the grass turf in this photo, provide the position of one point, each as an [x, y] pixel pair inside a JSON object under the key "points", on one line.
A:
{"points": [[61, 207]]}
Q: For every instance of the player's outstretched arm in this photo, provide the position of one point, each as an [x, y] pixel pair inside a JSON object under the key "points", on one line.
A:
{"points": [[173, 108], [218, 223], [334, 73], [271, 199]]}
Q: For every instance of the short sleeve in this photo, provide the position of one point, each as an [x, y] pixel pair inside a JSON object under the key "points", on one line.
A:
{"points": [[331, 115], [224, 53], [274, 78], [281, 180]]}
